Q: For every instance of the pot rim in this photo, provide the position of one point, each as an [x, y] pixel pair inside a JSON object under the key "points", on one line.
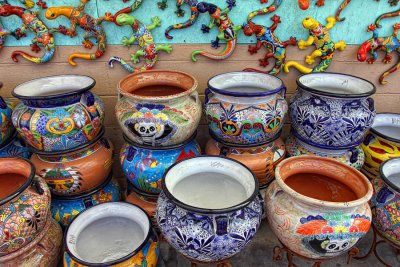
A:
{"points": [[232, 145], [249, 94], [335, 95], [160, 148], [383, 176], [25, 185], [158, 98], [236, 207], [298, 136], [142, 193], [381, 134], [54, 96], [106, 264], [313, 201]]}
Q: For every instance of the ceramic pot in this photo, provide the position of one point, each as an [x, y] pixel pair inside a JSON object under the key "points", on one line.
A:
{"points": [[381, 143], [6, 128], [314, 227], [14, 147], [58, 113], [262, 160], [385, 202], [245, 108], [77, 171], [145, 166], [353, 157], [263, 189], [43, 251], [65, 208], [158, 107], [209, 209], [332, 110], [24, 204], [111, 234]]}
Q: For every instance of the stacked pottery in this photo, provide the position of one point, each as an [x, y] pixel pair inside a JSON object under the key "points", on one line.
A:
{"points": [[61, 121], [330, 114]]}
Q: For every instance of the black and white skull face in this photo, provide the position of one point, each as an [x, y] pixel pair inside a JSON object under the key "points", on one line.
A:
{"points": [[329, 246], [149, 131], [335, 246]]}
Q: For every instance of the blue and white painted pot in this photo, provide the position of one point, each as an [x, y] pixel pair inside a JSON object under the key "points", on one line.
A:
{"points": [[332, 110], [58, 113], [14, 147], [210, 208], [245, 108], [6, 127], [145, 166]]}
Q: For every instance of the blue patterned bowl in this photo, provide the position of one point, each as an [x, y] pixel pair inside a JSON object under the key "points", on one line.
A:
{"points": [[14, 147], [6, 127]]}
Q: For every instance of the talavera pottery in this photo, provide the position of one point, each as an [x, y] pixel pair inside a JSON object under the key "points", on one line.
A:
{"points": [[262, 160], [43, 251], [58, 113], [262, 190], [385, 202], [65, 208], [14, 147], [111, 234], [381, 143], [332, 110], [145, 166], [23, 213], [353, 157], [163, 117], [6, 128], [78, 170], [209, 209], [311, 227], [246, 108]]}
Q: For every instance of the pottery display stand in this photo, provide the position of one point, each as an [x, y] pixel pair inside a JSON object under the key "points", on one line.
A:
{"points": [[223, 263]]}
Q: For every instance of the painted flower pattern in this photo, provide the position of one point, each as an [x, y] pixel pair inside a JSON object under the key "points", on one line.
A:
{"points": [[80, 118]]}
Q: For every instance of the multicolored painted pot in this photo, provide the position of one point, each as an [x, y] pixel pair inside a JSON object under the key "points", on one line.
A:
{"points": [[24, 204], [385, 202], [381, 143], [58, 113], [262, 160], [43, 251], [145, 166], [111, 234], [65, 208], [315, 228], [158, 107], [14, 147], [6, 128], [77, 171], [209, 209], [353, 157], [332, 110], [245, 108]]}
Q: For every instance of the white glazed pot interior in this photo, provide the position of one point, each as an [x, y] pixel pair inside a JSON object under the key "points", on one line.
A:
{"points": [[387, 124], [391, 172], [107, 232], [210, 183]]}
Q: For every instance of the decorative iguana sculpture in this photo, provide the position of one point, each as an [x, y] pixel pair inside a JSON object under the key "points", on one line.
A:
{"points": [[304, 4], [142, 33], [3, 34]]}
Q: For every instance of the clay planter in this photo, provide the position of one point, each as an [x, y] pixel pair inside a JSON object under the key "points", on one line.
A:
{"points": [[245, 108], [315, 228], [385, 202], [14, 147], [260, 159], [158, 107], [58, 113], [209, 209], [331, 110], [65, 208], [111, 234], [6, 128], [77, 171], [24, 204], [353, 157], [43, 251], [381, 143], [145, 166]]}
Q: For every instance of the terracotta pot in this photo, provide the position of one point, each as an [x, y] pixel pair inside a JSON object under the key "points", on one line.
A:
{"points": [[260, 159], [209, 209], [385, 202], [158, 107], [14, 147], [24, 204], [65, 208], [58, 113], [77, 171], [245, 108], [6, 128], [314, 227], [381, 143], [353, 157], [111, 234], [263, 189], [43, 251]]}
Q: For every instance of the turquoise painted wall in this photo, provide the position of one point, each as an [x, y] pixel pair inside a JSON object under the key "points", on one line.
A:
{"points": [[359, 14]]}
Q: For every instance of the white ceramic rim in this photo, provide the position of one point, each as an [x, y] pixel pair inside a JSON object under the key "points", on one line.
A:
{"points": [[389, 167], [386, 119]]}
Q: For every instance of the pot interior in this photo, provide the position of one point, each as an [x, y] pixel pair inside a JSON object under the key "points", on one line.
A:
{"points": [[388, 125], [14, 175], [391, 172], [107, 232], [210, 183], [53, 86]]}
